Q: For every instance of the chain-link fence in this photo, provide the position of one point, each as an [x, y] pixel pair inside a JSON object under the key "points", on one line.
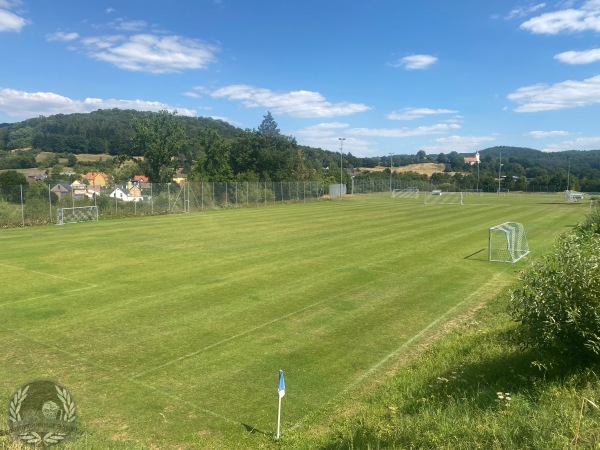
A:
{"points": [[24, 205]]}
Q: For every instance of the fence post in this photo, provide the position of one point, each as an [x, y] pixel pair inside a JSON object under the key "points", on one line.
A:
{"points": [[50, 202], [22, 208]]}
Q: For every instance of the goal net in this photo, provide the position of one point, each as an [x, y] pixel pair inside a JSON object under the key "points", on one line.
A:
{"points": [[573, 196], [405, 193], [76, 214], [507, 242]]}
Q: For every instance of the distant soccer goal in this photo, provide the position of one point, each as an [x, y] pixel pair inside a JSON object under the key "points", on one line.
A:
{"points": [[507, 242], [573, 196], [474, 192], [438, 197], [405, 193], [76, 214]]}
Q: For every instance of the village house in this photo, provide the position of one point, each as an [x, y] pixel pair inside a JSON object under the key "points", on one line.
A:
{"points": [[96, 178], [62, 190]]}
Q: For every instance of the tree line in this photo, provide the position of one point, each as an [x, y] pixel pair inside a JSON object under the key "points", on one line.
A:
{"points": [[212, 150]]}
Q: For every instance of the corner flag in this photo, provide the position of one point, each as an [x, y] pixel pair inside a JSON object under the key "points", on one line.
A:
{"points": [[281, 388]]}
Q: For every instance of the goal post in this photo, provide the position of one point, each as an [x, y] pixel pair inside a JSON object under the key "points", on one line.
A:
{"points": [[76, 214], [412, 192], [507, 242], [573, 196]]}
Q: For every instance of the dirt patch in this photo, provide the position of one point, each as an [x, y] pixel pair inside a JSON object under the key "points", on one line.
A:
{"points": [[423, 168]]}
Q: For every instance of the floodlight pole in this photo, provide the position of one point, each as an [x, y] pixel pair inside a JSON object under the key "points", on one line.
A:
{"points": [[341, 155], [569, 176], [499, 172], [391, 164]]}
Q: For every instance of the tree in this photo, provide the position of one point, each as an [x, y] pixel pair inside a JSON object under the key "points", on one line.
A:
{"points": [[268, 126], [158, 137], [10, 185], [214, 165]]}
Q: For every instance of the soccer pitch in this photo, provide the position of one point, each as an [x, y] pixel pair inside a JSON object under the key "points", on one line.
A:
{"points": [[170, 330]]}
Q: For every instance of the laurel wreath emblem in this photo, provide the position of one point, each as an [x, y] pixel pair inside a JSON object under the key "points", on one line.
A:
{"points": [[68, 414]]}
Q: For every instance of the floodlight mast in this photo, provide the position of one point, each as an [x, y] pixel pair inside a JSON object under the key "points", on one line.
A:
{"points": [[341, 155], [391, 164], [499, 172]]}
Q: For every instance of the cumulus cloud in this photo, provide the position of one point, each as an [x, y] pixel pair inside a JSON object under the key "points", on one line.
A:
{"points": [[567, 94], [23, 104], [460, 144], [439, 128], [9, 20], [579, 57], [545, 134], [62, 36], [585, 18], [417, 113], [360, 141], [583, 143], [522, 11], [152, 51], [415, 62], [302, 104]]}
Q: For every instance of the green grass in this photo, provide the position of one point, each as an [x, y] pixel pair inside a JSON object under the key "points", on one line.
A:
{"points": [[170, 330]]}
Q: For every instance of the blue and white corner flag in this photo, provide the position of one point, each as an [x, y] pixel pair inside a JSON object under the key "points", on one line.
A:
{"points": [[281, 388]]}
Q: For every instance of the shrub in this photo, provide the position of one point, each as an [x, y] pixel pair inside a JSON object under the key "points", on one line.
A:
{"points": [[558, 303]]}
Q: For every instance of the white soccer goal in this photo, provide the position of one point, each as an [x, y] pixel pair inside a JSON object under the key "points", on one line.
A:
{"points": [[438, 197], [478, 192], [573, 196], [76, 214], [405, 193], [507, 242]]}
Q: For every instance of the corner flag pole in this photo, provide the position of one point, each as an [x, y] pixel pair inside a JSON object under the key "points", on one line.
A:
{"points": [[281, 391]]}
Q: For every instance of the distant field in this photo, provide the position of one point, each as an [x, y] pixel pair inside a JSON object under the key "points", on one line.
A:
{"points": [[170, 330], [87, 157], [424, 168]]}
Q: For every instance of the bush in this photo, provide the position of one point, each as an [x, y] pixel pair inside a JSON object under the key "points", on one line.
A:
{"points": [[558, 304]]}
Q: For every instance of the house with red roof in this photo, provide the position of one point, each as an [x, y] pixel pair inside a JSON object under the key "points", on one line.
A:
{"points": [[96, 178]]}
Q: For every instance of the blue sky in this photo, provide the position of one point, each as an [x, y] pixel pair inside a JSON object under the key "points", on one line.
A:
{"points": [[389, 76]]}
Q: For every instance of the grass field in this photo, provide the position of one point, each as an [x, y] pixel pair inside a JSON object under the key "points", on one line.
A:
{"points": [[171, 330]]}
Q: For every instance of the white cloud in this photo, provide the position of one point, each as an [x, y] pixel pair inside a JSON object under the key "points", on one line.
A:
{"points": [[197, 92], [303, 104], [404, 132], [586, 18], [62, 36], [567, 94], [10, 21], [415, 62], [583, 143], [522, 11], [545, 134], [417, 113], [23, 104], [582, 57], [460, 144], [151, 53], [128, 25]]}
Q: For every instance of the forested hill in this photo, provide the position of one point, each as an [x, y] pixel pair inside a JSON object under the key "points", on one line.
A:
{"points": [[104, 131], [214, 150]]}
